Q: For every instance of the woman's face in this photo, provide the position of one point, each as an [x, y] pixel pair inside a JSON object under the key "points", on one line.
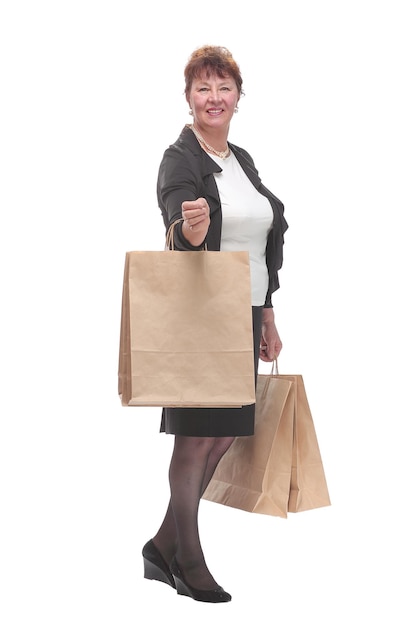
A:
{"points": [[213, 100]]}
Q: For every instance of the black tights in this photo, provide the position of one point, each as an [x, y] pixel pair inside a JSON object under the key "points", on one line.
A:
{"points": [[193, 462]]}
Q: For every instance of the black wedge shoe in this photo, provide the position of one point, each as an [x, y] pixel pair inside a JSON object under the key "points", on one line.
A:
{"points": [[155, 567], [184, 589]]}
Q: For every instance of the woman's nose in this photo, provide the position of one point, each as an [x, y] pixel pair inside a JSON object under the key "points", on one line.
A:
{"points": [[215, 95]]}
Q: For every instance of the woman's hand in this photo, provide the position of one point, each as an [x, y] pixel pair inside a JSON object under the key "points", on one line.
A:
{"points": [[271, 344], [196, 216]]}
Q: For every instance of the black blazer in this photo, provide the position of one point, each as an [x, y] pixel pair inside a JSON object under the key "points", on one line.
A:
{"points": [[186, 173]]}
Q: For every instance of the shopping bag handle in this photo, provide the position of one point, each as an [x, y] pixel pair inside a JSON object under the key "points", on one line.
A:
{"points": [[273, 372], [169, 241], [274, 368]]}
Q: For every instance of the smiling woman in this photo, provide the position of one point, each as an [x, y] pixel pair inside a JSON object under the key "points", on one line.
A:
{"points": [[213, 93], [210, 193]]}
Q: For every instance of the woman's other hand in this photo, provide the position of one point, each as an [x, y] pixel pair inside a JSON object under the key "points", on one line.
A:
{"points": [[271, 344]]}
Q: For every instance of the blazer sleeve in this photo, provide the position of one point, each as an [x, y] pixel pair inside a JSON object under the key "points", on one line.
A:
{"points": [[177, 182]]}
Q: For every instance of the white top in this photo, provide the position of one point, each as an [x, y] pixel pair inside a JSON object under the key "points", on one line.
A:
{"points": [[246, 221]]}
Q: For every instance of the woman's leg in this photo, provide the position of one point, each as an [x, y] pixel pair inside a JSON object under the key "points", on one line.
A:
{"points": [[193, 462]]}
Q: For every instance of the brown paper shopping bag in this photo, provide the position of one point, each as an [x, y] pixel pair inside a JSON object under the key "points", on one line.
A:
{"points": [[279, 469], [308, 486], [186, 330]]}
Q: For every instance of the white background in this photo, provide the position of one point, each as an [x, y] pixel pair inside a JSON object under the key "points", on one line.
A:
{"points": [[91, 95]]}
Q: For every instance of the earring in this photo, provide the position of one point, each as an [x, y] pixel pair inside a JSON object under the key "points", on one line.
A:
{"points": [[236, 109], [190, 112]]}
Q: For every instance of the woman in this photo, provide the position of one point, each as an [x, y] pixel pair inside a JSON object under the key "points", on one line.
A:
{"points": [[214, 187]]}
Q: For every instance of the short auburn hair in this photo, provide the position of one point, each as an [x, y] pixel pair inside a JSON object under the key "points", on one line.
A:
{"points": [[211, 60]]}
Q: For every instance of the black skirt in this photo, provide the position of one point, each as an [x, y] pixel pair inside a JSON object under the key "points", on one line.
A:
{"points": [[216, 422]]}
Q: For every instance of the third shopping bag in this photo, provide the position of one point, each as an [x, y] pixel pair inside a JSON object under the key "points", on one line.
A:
{"points": [[279, 469]]}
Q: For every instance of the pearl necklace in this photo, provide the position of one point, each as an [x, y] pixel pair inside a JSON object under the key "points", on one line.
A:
{"points": [[220, 154]]}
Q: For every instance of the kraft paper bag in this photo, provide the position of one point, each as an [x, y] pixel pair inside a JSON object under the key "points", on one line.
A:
{"points": [[279, 469], [186, 334], [308, 486]]}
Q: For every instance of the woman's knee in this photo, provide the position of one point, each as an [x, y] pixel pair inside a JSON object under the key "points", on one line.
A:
{"points": [[202, 447], [221, 445], [194, 446]]}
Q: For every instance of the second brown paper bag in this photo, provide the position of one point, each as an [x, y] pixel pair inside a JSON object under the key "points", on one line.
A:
{"points": [[279, 469]]}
